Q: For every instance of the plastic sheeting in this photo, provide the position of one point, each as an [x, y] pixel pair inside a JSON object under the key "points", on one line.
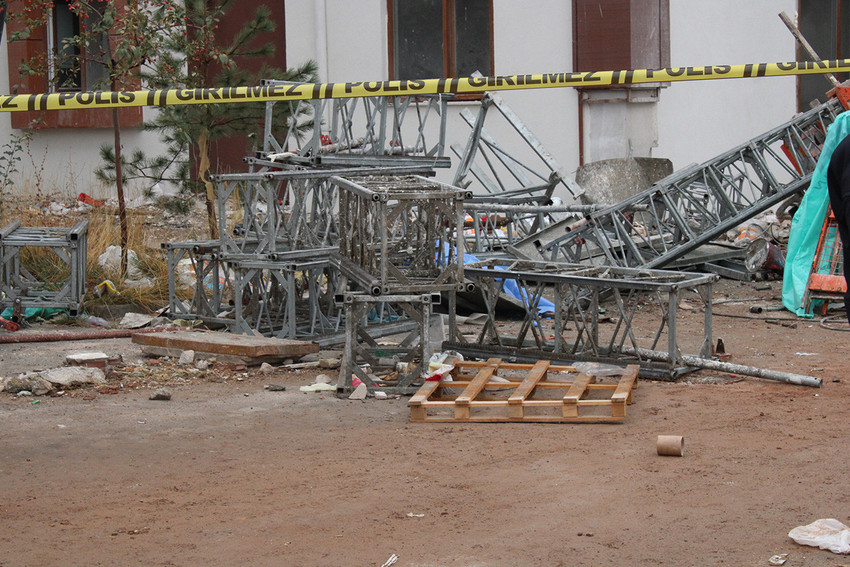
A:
{"points": [[808, 222]]}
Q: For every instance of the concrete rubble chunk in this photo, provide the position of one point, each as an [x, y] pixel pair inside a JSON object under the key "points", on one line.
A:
{"points": [[83, 358], [74, 376], [186, 357], [91, 359], [359, 392], [329, 363], [266, 368], [161, 394], [323, 379], [31, 382]]}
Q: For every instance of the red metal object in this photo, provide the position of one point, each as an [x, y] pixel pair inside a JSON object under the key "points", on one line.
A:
{"points": [[44, 337], [9, 325], [842, 93], [89, 200]]}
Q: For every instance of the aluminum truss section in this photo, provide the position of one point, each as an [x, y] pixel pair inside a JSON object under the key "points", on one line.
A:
{"points": [[486, 164], [492, 227], [280, 211], [640, 308], [698, 204], [211, 288], [19, 287], [289, 297], [414, 351], [376, 131], [399, 234]]}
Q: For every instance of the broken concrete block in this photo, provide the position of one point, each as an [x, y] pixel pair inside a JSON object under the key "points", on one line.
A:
{"points": [[323, 379], [329, 363], [74, 376], [27, 383], [163, 394], [380, 395], [202, 364], [266, 368], [135, 320], [93, 359], [186, 357], [359, 392]]}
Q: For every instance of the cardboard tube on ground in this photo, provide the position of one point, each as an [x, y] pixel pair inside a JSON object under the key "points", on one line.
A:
{"points": [[671, 445]]}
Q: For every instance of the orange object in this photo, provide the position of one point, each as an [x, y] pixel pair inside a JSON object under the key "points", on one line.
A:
{"points": [[89, 200], [826, 279], [842, 93]]}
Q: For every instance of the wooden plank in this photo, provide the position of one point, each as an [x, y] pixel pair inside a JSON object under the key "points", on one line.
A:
{"points": [[474, 388], [575, 393], [424, 393], [512, 366], [227, 343], [223, 358], [526, 419], [623, 394], [537, 373]]}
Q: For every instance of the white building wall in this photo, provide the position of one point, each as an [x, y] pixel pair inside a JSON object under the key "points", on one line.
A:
{"points": [[698, 120], [695, 120], [530, 37], [59, 163]]}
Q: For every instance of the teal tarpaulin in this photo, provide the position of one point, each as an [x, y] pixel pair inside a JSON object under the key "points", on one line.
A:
{"points": [[808, 222]]}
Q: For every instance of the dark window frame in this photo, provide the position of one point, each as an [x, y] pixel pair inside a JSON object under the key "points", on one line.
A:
{"points": [[36, 45], [449, 43]]}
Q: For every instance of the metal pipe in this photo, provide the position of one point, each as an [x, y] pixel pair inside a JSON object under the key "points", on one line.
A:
{"points": [[709, 364], [807, 47], [475, 205], [46, 337]]}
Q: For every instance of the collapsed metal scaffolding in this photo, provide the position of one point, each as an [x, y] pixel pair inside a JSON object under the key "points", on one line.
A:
{"points": [[696, 205], [564, 320], [360, 131], [350, 214]]}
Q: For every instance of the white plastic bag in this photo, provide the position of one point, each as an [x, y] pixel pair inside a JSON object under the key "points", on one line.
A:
{"points": [[826, 534]]}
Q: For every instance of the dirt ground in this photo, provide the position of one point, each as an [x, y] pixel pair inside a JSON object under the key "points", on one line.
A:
{"points": [[230, 473]]}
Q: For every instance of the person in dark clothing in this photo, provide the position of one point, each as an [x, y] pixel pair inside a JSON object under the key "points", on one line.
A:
{"points": [[838, 183]]}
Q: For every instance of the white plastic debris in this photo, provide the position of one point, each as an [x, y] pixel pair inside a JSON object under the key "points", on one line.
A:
{"points": [[111, 260], [826, 534], [318, 388]]}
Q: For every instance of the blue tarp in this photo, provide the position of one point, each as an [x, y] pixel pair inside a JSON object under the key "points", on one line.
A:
{"points": [[510, 287], [808, 222]]}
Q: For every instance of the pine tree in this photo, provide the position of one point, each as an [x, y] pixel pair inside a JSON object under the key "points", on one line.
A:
{"points": [[201, 58], [121, 37]]}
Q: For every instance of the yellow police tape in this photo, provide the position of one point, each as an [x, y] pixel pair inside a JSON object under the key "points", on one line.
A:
{"points": [[466, 85]]}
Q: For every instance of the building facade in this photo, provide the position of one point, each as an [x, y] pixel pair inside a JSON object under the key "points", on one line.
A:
{"points": [[368, 40]]}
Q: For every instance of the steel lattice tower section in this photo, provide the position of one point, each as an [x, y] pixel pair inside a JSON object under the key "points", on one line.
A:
{"points": [[699, 203]]}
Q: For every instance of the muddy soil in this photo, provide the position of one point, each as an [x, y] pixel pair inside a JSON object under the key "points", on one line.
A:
{"points": [[230, 473]]}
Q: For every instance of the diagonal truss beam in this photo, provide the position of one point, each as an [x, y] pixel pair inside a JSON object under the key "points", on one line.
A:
{"points": [[696, 205]]}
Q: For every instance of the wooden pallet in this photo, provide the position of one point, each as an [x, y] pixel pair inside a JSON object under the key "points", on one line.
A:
{"points": [[475, 394]]}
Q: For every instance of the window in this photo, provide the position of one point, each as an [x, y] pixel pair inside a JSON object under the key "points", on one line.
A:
{"points": [[440, 38], [613, 35], [63, 70]]}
